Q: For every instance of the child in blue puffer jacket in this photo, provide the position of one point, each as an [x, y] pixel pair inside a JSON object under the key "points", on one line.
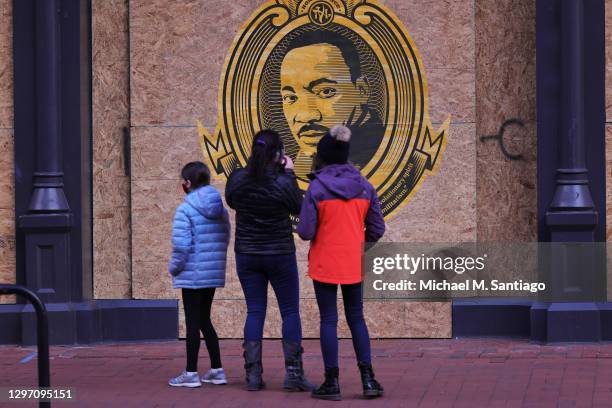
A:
{"points": [[200, 235]]}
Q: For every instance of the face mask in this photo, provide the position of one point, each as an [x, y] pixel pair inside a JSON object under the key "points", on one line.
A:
{"points": [[280, 155]]}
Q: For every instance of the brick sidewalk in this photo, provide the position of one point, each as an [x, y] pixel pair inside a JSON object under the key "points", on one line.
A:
{"points": [[415, 373]]}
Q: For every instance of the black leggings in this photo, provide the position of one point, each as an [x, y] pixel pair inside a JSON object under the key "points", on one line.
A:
{"points": [[197, 304]]}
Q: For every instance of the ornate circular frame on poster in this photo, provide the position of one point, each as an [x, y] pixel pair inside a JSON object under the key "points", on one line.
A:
{"points": [[394, 142]]}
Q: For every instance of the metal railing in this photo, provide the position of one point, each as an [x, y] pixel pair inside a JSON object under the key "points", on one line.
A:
{"points": [[42, 333]]}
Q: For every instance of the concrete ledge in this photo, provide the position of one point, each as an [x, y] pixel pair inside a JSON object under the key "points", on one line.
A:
{"points": [[490, 317], [570, 322], [93, 322], [538, 321], [10, 323]]}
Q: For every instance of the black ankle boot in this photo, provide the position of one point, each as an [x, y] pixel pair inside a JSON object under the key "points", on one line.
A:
{"points": [[371, 387], [252, 365], [295, 380], [330, 389]]}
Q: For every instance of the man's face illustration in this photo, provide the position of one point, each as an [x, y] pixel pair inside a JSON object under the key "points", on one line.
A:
{"points": [[318, 93]]}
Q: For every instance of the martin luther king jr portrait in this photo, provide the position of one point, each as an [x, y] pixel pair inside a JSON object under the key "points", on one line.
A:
{"points": [[316, 78]]}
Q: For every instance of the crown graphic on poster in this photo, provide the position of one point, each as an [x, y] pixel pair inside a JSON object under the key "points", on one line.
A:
{"points": [[401, 145], [320, 11]]}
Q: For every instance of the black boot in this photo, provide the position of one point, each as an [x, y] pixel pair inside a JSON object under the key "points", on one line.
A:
{"points": [[252, 365], [371, 387], [330, 389], [294, 375]]}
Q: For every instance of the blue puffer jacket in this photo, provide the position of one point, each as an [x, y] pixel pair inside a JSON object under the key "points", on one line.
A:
{"points": [[200, 234]]}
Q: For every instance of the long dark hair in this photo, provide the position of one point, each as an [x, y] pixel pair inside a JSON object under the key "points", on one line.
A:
{"points": [[265, 153]]}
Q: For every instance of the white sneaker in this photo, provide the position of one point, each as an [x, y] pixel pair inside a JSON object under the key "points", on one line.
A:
{"points": [[215, 376], [186, 379]]}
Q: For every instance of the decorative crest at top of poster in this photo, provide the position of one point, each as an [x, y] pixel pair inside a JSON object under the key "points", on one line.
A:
{"points": [[321, 10]]}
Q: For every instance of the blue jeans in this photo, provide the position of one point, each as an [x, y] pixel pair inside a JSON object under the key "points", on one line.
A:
{"points": [[254, 272], [353, 310]]}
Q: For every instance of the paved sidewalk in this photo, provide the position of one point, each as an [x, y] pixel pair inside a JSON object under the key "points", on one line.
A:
{"points": [[415, 373]]}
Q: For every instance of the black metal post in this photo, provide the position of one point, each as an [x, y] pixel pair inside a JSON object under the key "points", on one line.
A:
{"points": [[42, 334], [47, 222], [572, 217], [570, 135], [572, 191], [48, 194]]}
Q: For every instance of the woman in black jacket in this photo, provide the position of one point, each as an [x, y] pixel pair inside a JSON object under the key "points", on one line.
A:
{"points": [[264, 194]]}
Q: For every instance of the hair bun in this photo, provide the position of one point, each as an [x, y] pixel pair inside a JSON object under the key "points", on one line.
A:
{"points": [[340, 133]]}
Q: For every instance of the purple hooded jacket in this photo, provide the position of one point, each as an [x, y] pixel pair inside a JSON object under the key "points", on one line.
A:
{"points": [[339, 212]]}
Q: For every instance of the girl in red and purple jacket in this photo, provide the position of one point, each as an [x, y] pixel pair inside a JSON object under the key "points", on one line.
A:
{"points": [[339, 212]]}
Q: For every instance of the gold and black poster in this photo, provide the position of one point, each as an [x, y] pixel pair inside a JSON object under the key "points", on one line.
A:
{"points": [[302, 66]]}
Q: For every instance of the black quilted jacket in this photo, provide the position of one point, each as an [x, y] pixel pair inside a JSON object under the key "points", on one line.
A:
{"points": [[262, 209]]}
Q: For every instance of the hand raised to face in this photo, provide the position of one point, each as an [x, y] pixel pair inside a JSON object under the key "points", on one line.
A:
{"points": [[287, 162]]}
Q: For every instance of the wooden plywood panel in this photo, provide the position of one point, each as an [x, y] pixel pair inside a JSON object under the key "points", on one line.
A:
{"points": [[110, 71]]}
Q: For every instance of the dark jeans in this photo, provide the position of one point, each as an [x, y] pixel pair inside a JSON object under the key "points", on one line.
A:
{"points": [[353, 309], [197, 303], [254, 272]]}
